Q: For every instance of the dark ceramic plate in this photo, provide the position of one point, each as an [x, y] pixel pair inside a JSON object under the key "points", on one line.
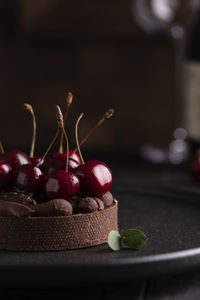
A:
{"points": [[171, 220]]}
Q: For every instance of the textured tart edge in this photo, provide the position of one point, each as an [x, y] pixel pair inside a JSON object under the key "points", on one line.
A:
{"points": [[58, 233]]}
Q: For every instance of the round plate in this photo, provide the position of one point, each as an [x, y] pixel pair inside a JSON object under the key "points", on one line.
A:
{"points": [[170, 219]]}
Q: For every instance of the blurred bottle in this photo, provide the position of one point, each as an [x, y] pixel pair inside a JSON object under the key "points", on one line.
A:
{"points": [[192, 84], [171, 18]]}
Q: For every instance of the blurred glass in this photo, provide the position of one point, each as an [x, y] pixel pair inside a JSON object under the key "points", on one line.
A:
{"points": [[170, 18]]}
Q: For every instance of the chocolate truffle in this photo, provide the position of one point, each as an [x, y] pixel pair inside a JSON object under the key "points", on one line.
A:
{"points": [[107, 199], [14, 209], [100, 203], [15, 195], [88, 205], [74, 204], [55, 207]]}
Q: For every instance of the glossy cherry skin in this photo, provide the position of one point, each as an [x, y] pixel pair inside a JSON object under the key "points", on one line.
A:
{"points": [[95, 178], [6, 175], [16, 158], [29, 178], [59, 163], [35, 160], [61, 185], [74, 156]]}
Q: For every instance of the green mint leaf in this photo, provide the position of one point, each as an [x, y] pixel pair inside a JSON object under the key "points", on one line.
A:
{"points": [[114, 240], [134, 238]]}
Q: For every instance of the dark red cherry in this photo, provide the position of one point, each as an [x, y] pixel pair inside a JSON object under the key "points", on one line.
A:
{"points": [[58, 155], [62, 185], [16, 158], [72, 165], [29, 178], [35, 160], [74, 156], [5, 175], [57, 163], [95, 178]]}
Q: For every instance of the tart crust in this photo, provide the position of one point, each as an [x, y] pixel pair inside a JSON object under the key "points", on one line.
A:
{"points": [[58, 233]]}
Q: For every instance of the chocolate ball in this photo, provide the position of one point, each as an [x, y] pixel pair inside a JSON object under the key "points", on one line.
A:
{"points": [[87, 205], [74, 204], [18, 196], [107, 199], [55, 207], [14, 209], [100, 203]]}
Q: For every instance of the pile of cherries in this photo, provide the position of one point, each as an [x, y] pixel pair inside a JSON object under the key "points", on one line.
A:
{"points": [[93, 178], [49, 176]]}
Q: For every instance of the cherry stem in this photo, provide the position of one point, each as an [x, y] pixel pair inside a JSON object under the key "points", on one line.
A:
{"points": [[106, 116], [68, 103], [59, 119], [49, 148], [61, 126], [1, 148], [77, 141], [67, 143], [29, 108]]}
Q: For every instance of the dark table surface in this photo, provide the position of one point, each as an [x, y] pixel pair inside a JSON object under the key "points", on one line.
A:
{"points": [[129, 173]]}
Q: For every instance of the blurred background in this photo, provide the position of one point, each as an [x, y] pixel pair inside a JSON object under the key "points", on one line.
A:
{"points": [[129, 55]]}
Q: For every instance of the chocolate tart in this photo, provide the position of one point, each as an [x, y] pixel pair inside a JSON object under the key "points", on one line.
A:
{"points": [[59, 232]]}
